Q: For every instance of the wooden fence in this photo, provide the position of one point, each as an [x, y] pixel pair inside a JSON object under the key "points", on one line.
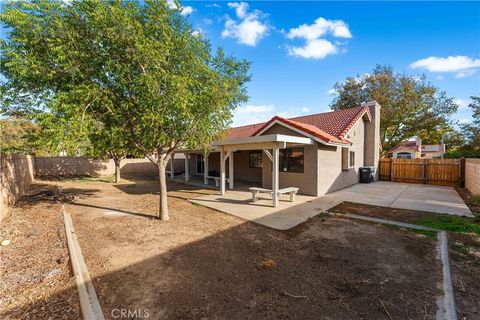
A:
{"points": [[444, 172]]}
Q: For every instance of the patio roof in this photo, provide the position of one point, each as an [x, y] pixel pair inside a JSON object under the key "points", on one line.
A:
{"points": [[255, 141]]}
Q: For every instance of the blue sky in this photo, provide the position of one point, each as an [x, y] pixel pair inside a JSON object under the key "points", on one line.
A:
{"points": [[299, 50]]}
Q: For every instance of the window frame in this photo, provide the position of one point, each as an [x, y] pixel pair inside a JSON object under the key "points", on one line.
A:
{"points": [[351, 159], [258, 160], [285, 157]]}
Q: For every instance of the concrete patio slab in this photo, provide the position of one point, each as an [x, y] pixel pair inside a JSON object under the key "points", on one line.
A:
{"points": [[419, 197], [288, 214], [285, 216]]}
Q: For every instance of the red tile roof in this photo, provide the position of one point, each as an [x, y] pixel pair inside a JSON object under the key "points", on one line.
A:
{"points": [[328, 126], [406, 145], [336, 123]]}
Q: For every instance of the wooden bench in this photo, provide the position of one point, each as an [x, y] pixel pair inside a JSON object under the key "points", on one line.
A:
{"points": [[290, 190]]}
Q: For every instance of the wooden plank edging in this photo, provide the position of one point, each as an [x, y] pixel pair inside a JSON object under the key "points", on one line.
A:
{"points": [[89, 304]]}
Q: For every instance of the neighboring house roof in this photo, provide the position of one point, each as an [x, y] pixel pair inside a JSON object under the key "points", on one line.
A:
{"points": [[433, 148], [424, 148], [404, 148], [329, 127], [406, 145]]}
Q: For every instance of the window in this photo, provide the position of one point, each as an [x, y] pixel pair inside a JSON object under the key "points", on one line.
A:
{"points": [[404, 155], [291, 160], [348, 159], [255, 159]]}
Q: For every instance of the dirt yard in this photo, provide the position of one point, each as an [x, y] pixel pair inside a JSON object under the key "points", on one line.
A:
{"points": [[35, 276], [204, 264], [464, 250]]}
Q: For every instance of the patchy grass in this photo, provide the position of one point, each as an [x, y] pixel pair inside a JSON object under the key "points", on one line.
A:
{"points": [[87, 179], [451, 223]]}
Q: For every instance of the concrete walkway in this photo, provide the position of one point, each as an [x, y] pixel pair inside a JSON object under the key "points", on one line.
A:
{"points": [[418, 197], [288, 214], [285, 216]]}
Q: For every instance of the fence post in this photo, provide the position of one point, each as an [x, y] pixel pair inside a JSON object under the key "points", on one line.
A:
{"points": [[424, 176], [391, 169]]}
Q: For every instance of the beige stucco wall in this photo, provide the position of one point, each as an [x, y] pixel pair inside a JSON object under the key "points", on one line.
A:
{"points": [[472, 175], [16, 176], [242, 170], [331, 177], [306, 181]]}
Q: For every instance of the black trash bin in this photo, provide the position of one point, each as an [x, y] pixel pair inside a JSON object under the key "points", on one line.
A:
{"points": [[366, 174]]}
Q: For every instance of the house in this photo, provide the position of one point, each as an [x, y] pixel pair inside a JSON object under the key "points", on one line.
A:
{"points": [[415, 149], [317, 153]]}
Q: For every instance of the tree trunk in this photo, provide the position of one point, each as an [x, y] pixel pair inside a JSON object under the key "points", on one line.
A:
{"points": [[163, 208], [117, 170]]}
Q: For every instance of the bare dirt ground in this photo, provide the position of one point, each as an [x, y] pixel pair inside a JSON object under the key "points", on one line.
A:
{"points": [[36, 281], [204, 264], [464, 252]]}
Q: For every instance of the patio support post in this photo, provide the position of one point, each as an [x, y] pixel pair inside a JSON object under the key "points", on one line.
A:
{"points": [[187, 166], [172, 172], [205, 168], [275, 175], [230, 170], [222, 172]]}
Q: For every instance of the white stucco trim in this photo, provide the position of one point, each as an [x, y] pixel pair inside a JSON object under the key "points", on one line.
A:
{"points": [[265, 138]]}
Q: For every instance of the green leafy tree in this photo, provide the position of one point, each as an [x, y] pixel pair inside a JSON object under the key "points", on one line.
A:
{"points": [[139, 64], [471, 131], [15, 135], [411, 107]]}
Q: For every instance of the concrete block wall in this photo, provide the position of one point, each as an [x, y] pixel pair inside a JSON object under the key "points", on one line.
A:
{"points": [[472, 175], [79, 166], [16, 176]]}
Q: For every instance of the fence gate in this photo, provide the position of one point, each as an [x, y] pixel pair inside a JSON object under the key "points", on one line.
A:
{"points": [[444, 172]]}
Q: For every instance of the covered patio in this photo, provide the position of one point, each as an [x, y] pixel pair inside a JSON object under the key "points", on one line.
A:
{"points": [[270, 146]]}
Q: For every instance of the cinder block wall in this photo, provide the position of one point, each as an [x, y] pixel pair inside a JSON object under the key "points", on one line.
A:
{"points": [[16, 176], [79, 166], [472, 175]]}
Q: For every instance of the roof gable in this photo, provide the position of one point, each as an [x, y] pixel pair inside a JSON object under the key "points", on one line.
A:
{"points": [[327, 127]]}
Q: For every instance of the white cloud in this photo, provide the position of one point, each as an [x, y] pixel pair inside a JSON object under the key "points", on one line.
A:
{"points": [[183, 10], [198, 31], [332, 92], [319, 28], [212, 5], [249, 29], [462, 104], [462, 66], [305, 109], [316, 47], [187, 10]]}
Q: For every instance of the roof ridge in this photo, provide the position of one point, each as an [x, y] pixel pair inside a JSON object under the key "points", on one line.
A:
{"points": [[354, 120], [326, 112]]}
